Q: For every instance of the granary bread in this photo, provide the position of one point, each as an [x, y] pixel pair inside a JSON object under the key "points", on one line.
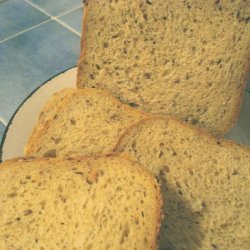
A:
{"points": [[80, 122], [188, 58], [205, 183], [106, 202]]}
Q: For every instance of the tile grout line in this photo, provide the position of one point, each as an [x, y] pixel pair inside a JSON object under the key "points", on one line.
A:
{"points": [[3, 122], [69, 11], [46, 21], [67, 27], [56, 18], [50, 19], [30, 28], [52, 16], [38, 8]]}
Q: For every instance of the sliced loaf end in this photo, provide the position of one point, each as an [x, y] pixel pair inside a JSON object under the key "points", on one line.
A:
{"points": [[104, 202], [189, 58], [80, 122], [205, 183]]}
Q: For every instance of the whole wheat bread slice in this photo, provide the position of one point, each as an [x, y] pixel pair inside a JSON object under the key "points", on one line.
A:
{"points": [[188, 58], [205, 183], [106, 202], [80, 122]]}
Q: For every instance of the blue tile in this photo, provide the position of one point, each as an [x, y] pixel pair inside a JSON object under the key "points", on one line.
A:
{"points": [[55, 7], [30, 59], [16, 16], [2, 129], [74, 19]]}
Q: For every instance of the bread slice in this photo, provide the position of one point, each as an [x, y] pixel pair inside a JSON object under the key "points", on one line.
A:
{"points": [[188, 58], [80, 122], [205, 183], [106, 202]]}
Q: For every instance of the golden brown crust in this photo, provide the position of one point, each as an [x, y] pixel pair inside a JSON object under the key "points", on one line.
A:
{"points": [[55, 101], [36, 131], [83, 42], [219, 129], [145, 171], [199, 131], [160, 216], [239, 101]]}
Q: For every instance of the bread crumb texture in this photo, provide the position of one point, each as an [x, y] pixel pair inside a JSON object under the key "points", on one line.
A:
{"points": [[85, 203], [205, 184], [184, 58], [80, 122]]}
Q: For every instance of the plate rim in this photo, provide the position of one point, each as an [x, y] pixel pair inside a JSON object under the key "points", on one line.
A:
{"points": [[21, 104]]}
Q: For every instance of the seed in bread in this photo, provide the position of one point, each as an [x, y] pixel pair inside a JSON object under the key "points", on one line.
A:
{"points": [[80, 122], [106, 202], [205, 183], [188, 58]]}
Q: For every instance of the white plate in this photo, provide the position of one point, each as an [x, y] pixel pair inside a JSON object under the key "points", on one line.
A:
{"points": [[20, 126]]}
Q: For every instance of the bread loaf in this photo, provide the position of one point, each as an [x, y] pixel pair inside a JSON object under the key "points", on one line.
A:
{"points": [[205, 183], [188, 58], [106, 202]]}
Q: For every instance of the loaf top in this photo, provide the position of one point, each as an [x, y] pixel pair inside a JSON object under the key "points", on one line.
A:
{"points": [[205, 183], [188, 58], [185, 143], [104, 202], [80, 122]]}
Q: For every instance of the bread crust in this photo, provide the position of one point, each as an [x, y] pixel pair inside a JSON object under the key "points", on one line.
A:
{"points": [[83, 41], [240, 99], [219, 145], [40, 129], [218, 131], [145, 171], [199, 131]]}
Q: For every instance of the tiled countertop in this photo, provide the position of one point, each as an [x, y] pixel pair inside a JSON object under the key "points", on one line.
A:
{"points": [[38, 40]]}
